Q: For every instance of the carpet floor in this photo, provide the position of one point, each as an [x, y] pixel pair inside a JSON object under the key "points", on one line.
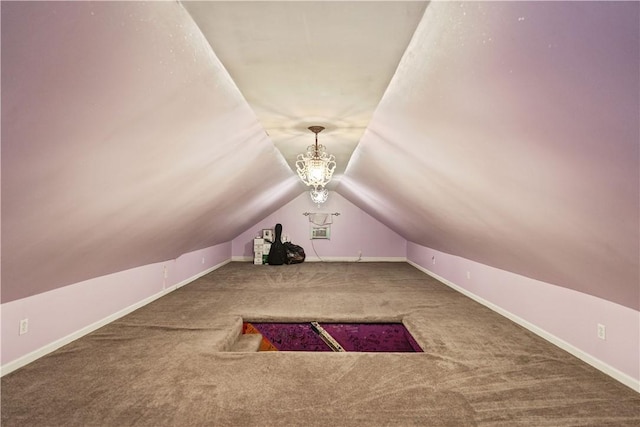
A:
{"points": [[169, 364]]}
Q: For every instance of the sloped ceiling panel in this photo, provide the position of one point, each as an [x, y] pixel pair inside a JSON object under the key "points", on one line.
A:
{"points": [[124, 142], [509, 136], [303, 63]]}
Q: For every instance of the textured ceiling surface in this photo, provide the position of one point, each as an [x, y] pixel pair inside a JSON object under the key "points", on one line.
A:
{"points": [[502, 132]]}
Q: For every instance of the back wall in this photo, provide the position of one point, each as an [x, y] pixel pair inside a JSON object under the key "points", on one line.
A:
{"points": [[354, 233]]}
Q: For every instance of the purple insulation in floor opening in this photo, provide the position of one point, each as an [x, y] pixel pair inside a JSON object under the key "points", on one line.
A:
{"points": [[292, 336], [356, 337], [382, 337]]}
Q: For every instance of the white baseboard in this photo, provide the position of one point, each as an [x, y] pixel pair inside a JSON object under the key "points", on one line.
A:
{"points": [[335, 259], [202, 273], [585, 357], [43, 351], [355, 259]]}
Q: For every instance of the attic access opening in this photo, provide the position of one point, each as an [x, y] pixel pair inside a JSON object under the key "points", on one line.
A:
{"points": [[338, 337]]}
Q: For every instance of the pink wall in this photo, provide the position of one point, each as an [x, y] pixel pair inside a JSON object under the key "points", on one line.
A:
{"points": [[193, 263], [509, 136], [124, 143], [565, 314], [63, 314], [351, 232]]}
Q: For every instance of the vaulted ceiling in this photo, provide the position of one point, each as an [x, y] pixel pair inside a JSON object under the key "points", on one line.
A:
{"points": [[310, 63], [502, 132]]}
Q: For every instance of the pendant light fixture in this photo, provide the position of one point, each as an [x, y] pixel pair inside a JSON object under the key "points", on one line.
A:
{"points": [[315, 167], [319, 195]]}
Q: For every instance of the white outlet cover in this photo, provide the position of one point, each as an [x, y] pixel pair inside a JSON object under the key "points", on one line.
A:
{"points": [[24, 326], [602, 331]]}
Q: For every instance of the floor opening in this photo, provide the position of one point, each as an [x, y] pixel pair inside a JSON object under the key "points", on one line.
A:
{"points": [[350, 337]]}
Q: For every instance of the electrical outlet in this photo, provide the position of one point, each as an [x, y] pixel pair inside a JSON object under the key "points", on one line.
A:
{"points": [[24, 326], [203, 260], [468, 275], [602, 331], [433, 260]]}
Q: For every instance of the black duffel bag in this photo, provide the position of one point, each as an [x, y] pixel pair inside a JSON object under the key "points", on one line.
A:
{"points": [[295, 253]]}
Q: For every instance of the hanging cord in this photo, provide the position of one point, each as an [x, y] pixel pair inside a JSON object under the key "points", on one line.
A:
{"points": [[314, 251]]}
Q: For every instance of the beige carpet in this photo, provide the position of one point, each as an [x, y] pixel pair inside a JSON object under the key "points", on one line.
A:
{"points": [[165, 364]]}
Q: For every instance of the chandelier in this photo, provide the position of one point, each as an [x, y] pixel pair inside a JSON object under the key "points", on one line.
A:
{"points": [[319, 195], [315, 167]]}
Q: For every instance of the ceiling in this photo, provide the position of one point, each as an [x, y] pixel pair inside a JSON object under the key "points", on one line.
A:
{"points": [[305, 63]]}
